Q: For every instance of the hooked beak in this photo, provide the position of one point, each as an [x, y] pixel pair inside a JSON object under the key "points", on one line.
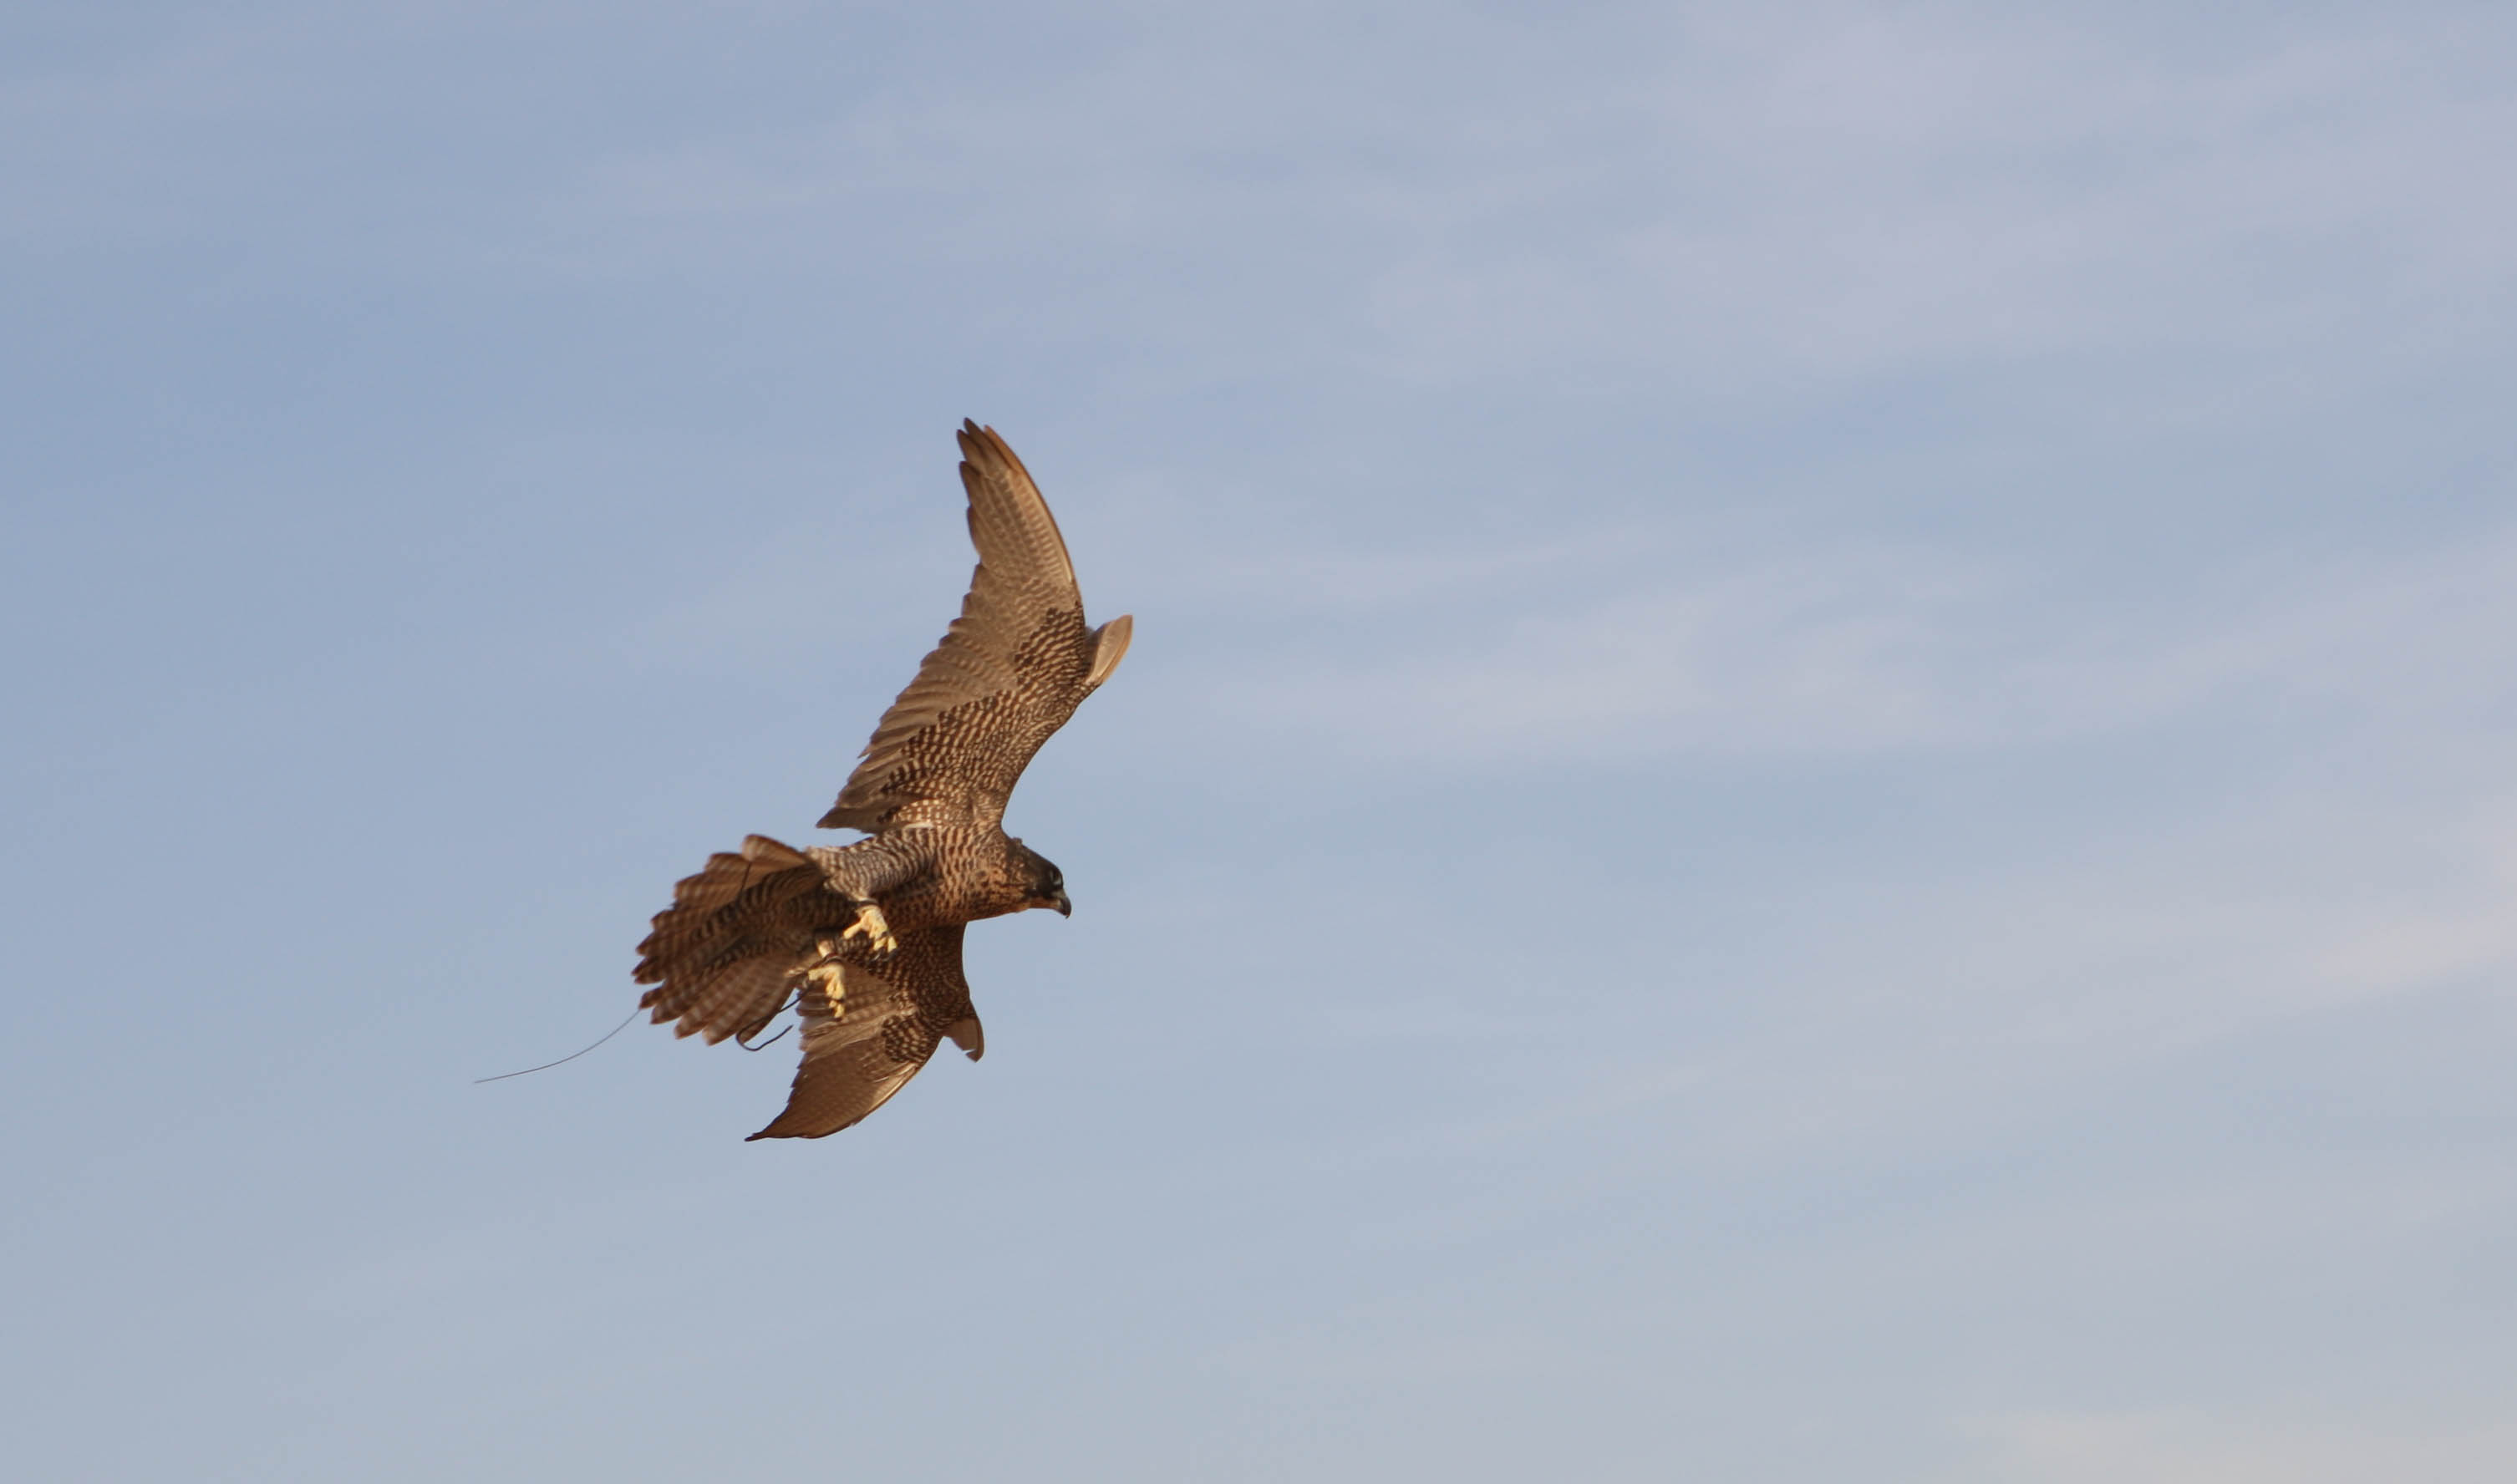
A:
{"points": [[1065, 908]]}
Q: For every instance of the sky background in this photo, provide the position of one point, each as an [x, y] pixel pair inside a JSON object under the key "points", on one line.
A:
{"points": [[1817, 781]]}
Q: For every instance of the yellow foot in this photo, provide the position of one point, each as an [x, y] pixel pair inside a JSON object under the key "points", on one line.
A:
{"points": [[876, 931]]}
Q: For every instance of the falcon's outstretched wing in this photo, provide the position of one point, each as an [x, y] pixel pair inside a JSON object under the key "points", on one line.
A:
{"points": [[1010, 670], [883, 1025]]}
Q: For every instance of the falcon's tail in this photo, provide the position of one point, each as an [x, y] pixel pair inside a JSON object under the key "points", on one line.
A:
{"points": [[723, 956]]}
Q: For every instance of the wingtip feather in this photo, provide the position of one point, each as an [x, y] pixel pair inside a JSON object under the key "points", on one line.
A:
{"points": [[1109, 646]]}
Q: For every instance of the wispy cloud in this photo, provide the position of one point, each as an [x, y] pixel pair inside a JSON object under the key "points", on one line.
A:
{"points": [[1821, 189], [1902, 650]]}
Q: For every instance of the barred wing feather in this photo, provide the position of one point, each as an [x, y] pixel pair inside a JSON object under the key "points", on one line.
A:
{"points": [[886, 1020], [1006, 675]]}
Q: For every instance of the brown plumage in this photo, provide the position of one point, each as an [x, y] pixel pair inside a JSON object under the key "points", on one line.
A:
{"points": [[866, 939]]}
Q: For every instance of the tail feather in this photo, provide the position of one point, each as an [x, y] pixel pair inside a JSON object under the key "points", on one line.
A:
{"points": [[721, 956], [737, 1000]]}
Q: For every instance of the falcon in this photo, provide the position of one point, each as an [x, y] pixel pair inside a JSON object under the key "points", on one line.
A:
{"points": [[865, 939]]}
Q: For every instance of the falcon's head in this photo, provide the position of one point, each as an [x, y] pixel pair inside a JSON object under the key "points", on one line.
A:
{"points": [[1046, 883]]}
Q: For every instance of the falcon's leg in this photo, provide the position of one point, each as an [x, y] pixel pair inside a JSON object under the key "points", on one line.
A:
{"points": [[823, 973], [871, 926]]}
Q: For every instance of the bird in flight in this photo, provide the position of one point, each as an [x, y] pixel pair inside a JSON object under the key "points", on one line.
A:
{"points": [[865, 938]]}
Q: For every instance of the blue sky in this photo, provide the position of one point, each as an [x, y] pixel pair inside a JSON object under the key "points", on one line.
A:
{"points": [[1815, 782]]}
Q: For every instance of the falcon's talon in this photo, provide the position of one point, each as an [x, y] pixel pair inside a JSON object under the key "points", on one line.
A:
{"points": [[871, 926]]}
